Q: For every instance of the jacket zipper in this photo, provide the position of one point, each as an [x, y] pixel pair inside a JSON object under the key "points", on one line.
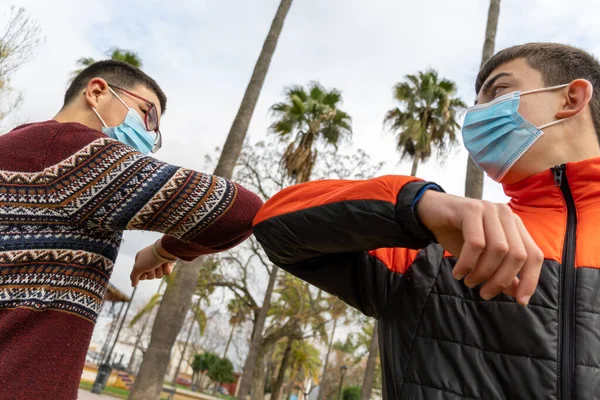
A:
{"points": [[566, 331]]}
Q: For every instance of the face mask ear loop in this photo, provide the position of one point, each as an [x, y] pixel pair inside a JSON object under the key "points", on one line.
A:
{"points": [[558, 121], [99, 117], [548, 89], [119, 97]]}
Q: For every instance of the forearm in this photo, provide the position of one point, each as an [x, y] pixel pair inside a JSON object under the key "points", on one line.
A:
{"points": [[331, 217], [229, 228]]}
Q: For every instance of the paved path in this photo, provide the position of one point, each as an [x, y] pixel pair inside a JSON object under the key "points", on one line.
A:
{"points": [[86, 395]]}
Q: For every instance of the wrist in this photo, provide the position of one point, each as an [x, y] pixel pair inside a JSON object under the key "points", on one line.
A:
{"points": [[161, 254], [423, 207]]}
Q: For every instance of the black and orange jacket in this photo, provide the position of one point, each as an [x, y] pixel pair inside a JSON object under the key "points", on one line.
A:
{"points": [[360, 241]]}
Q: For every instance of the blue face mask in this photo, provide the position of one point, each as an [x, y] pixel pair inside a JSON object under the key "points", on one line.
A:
{"points": [[132, 131], [497, 136]]}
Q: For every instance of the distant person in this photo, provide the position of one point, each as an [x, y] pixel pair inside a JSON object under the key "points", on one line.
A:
{"points": [[69, 187], [449, 325]]}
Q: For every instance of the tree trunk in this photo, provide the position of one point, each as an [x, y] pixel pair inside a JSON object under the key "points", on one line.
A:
{"points": [[324, 377], [169, 320], [187, 340], [285, 362], [235, 140], [172, 310], [229, 340], [474, 178], [259, 379], [413, 171], [138, 340], [253, 351], [365, 391]]}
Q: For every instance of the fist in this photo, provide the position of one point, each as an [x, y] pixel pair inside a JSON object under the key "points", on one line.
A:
{"points": [[147, 266], [490, 242]]}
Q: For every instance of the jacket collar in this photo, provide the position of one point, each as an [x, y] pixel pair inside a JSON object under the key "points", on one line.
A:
{"points": [[541, 190]]}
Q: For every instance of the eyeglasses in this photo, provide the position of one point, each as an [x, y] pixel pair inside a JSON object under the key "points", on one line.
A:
{"points": [[150, 119]]}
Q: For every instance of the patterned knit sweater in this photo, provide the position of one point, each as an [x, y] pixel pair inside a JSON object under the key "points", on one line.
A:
{"points": [[66, 194]]}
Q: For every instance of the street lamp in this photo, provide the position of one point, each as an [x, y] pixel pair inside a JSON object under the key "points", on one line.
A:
{"points": [[343, 370], [105, 368]]}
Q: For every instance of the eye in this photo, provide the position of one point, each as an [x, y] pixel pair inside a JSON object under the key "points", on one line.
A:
{"points": [[497, 90]]}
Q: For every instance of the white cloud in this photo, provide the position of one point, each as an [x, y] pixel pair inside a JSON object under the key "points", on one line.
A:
{"points": [[203, 52]]}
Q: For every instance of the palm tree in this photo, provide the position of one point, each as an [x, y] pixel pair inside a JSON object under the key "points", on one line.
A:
{"points": [[309, 116], [295, 309], [237, 134], [369, 377], [426, 118], [177, 299], [474, 178], [238, 312], [146, 385], [115, 54], [199, 317], [147, 309], [425, 121], [305, 364], [338, 309]]}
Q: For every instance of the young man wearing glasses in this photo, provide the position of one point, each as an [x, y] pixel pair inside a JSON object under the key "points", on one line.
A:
{"points": [[69, 187]]}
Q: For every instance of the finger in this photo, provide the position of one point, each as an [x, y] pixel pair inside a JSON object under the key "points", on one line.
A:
{"points": [[158, 272], [143, 277], [135, 278], [514, 259], [511, 290], [167, 268], [496, 247], [150, 275], [530, 273], [474, 243]]}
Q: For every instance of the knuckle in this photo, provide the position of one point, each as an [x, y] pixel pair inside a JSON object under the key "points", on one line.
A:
{"points": [[504, 209], [500, 248], [538, 256], [477, 206], [518, 256], [499, 286], [477, 243], [486, 205]]}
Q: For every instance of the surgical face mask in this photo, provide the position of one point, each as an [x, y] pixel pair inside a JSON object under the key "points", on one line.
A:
{"points": [[132, 131], [497, 136]]}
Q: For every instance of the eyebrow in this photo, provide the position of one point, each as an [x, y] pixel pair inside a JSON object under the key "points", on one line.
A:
{"points": [[488, 84]]}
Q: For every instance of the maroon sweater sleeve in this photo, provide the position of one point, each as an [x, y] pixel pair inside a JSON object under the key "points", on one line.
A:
{"points": [[118, 188], [233, 227]]}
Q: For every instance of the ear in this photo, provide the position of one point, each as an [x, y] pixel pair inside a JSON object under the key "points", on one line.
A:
{"points": [[579, 94], [95, 90]]}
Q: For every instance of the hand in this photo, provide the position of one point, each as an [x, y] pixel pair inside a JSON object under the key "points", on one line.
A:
{"points": [[490, 241], [147, 266]]}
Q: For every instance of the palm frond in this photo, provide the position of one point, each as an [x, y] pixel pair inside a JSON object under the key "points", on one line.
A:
{"points": [[148, 307]]}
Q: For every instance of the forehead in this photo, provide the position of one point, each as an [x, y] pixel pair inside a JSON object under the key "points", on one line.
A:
{"points": [[143, 91], [517, 74]]}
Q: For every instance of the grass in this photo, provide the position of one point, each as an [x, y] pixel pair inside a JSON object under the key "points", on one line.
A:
{"points": [[113, 391]]}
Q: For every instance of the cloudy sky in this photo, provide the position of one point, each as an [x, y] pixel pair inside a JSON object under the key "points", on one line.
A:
{"points": [[202, 53]]}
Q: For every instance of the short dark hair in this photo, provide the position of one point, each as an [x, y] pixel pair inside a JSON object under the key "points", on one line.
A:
{"points": [[117, 73], [558, 64]]}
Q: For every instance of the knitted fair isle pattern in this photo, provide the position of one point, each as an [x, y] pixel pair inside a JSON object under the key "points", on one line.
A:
{"points": [[60, 229]]}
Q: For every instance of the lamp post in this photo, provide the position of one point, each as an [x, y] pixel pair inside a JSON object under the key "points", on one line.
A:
{"points": [[105, 368], [343, 370]]}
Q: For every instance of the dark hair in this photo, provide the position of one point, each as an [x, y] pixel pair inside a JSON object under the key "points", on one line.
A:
{"points": [[558, 64], [117, 73]]}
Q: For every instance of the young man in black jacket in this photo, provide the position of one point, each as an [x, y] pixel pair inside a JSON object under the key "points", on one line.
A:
{"points": [[474, 300]]}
